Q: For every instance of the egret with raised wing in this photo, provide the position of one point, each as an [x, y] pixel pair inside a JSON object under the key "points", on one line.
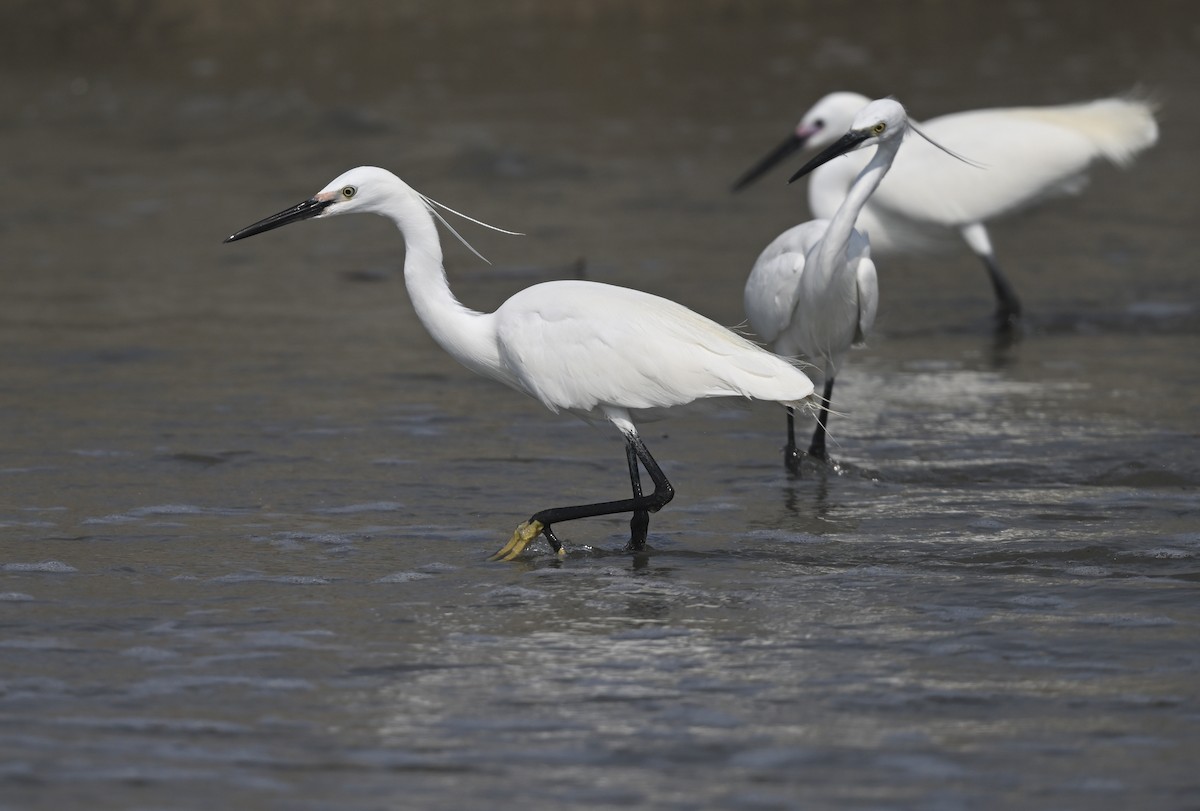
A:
{"points": [[1031, 153], [596, 350]]}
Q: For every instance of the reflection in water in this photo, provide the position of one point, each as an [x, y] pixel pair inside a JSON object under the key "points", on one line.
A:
{"points": [[1004, 345], [815, 494]]}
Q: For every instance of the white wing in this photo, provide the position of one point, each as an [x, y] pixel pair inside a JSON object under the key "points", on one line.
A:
{"points": [[1027, 154], [868, 298], [581, 346], [773, 287]]}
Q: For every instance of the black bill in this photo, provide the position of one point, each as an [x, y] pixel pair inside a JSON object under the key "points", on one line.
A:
{"points": [[302, 211], [792, 144], [847, 143]]}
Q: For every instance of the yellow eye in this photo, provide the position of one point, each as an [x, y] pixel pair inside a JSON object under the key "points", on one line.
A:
{"points": [[348, 192], [879, 128]]}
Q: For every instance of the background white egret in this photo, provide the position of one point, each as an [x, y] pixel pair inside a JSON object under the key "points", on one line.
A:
{"points": [[1030, 153], [813, 290], [596, 350]]}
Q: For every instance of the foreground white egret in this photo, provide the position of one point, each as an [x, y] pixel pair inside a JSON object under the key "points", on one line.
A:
{"points": [[813, 290], [1031, 153], [596, 350]]}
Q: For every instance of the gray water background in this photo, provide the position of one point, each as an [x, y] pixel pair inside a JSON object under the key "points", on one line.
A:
{"points": [[245, 501]]}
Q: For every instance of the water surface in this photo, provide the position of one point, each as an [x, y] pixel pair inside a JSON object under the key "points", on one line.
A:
{"points": [[246, 501]]}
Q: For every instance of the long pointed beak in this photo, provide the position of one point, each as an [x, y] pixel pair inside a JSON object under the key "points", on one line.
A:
{"points": [[302, 211], [847, 143], [792, 144]]}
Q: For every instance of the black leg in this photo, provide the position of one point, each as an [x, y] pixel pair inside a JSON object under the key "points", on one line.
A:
{"points": [[663, 492], [817, 448], [791, 454], [640, 505], [639, 524], [1008, 306], [553, 540]]}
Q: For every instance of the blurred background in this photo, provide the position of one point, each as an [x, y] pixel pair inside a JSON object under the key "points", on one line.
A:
{"points": [[244, 499]]}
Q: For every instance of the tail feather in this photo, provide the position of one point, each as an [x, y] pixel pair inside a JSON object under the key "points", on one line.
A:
{"points": [[1119, 128]]}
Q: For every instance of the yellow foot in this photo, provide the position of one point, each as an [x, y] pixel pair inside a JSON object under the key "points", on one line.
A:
{"points": [[521, 538]]}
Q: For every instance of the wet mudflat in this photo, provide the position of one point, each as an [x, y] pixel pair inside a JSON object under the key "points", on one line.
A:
{"points": [[246, 502]]}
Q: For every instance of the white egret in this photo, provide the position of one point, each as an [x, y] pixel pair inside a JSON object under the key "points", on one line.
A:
{"points": [[596, 350], [813, 290], [1031, 153]]}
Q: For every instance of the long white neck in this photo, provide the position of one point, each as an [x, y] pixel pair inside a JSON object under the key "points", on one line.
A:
{"points": [[468, 335], [837, 234]]}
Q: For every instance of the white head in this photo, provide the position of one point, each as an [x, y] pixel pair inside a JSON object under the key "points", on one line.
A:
{"points": [[365, 189], [362, 189], [823, 124], [829, 118], [882, 121]]}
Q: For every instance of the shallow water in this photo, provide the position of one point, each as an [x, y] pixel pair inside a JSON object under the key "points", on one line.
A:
{"points": [[247, 503]]}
